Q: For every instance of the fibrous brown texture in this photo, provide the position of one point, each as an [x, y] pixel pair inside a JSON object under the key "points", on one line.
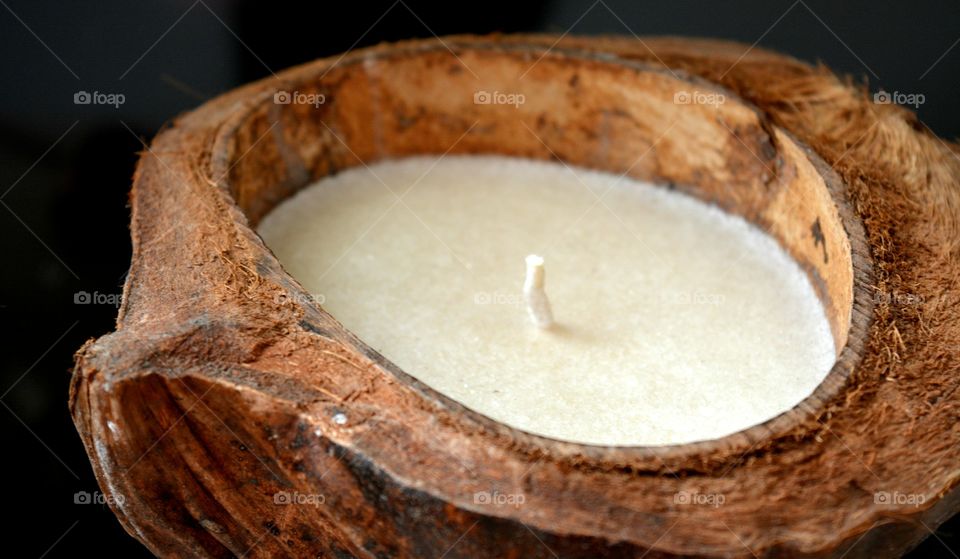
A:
{"points": [[224, 386]]}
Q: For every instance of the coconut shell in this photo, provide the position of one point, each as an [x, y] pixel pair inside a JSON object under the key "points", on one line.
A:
{"points": [[236, 417]]}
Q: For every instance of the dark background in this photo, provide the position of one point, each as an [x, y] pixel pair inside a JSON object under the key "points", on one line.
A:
{"points": [[66, 168]]}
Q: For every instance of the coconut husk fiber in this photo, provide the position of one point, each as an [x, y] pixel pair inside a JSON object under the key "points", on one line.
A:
{"points": [[223, 387]]}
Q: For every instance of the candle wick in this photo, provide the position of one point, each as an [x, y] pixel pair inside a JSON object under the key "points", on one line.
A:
{"points": [[538, 306]]}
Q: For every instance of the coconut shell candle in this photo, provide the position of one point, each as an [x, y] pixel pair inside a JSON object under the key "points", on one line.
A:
{"points": [[260, 398], [688, 324]]}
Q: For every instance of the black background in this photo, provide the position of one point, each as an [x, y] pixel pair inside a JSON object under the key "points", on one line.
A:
{"points": [[66, 168]]}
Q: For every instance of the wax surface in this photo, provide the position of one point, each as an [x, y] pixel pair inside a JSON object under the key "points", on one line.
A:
{"points": [[675, 322]]}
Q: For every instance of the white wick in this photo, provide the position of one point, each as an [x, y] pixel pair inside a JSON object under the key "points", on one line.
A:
{"points": [[538, 306]]}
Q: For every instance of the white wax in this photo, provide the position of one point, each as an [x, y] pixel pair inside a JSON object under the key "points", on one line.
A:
{"points": [[674, 321]]}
